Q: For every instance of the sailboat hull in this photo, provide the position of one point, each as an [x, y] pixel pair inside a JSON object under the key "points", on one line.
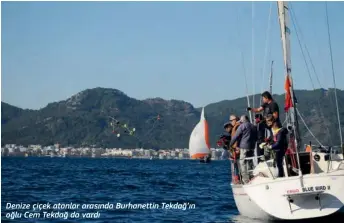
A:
{"points": [[246, 206], [257, 202], [321, 195]]}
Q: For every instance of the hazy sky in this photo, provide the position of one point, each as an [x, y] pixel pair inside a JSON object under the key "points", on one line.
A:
{"points": [[181, 50]]}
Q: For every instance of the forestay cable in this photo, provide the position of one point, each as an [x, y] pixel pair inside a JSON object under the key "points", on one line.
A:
{"points": [[308, 128], [334, 78], [253, 77]]}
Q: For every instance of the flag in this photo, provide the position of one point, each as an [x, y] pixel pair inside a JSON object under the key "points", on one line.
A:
{"points": [[288, 102]]}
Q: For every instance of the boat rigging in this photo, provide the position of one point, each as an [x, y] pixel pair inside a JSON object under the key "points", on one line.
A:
{"points": [[307, 189]]}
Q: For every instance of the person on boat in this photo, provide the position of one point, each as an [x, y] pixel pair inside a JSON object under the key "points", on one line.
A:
{"points": [[228, 128], [234, 120], [245, 136], [280, 142], [262, 133], [234, 150], [269, 106], [226, 137]]}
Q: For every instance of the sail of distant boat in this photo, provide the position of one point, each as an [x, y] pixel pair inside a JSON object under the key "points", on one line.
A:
{"points": [[199, 146]]}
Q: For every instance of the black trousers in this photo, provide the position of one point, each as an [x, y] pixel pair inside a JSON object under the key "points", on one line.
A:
{"points": [[279, 156]]}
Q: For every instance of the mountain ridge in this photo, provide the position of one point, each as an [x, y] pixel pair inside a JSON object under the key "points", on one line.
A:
{"points": [[83, 119]]}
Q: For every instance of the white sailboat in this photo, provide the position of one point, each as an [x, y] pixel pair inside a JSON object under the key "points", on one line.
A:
{"points": [[313, 185], [199, 147]]}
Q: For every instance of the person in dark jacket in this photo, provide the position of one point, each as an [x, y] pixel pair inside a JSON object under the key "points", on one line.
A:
{"points": [[225, 138], [229, 151], [246, 137], [261, 128], [264, 134], [280, 143]]}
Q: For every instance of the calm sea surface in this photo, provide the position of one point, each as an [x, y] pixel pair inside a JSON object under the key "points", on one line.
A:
{"points": [[83, 181]]}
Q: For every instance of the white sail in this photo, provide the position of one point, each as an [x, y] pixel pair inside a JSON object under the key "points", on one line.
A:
{"points": [[199, 140]]}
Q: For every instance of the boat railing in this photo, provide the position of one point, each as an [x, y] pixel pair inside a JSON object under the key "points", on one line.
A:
{"points": [[250, 167], [332, 151], [326, 149]]}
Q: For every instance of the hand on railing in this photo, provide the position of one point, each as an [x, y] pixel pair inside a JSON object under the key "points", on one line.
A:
{"points": [[264, 145]]}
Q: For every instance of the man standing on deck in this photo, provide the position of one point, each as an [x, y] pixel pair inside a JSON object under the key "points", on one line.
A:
{"points": [[234, 120], [269, 106], [280, 143], [245, 136]]}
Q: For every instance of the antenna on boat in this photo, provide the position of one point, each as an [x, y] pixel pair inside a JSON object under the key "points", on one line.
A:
{"points": [[290, 102], [270, 80], [243, 68]]}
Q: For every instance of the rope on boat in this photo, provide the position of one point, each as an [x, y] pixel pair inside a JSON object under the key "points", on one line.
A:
{"points": [[334, 78], [308, 128]]}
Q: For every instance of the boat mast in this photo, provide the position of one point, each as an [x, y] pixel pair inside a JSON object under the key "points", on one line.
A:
{"points": [[270, 81], [283, 14]]}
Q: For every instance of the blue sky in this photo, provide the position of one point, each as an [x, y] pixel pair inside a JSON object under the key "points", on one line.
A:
{"points": [[181, 50]]}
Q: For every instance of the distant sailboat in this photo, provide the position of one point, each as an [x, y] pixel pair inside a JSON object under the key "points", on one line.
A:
{"points": [[199, 146]]}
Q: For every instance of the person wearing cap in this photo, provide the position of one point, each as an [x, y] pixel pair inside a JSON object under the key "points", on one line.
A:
{"points": [[269, 106], [245, 136], [232, 154]]}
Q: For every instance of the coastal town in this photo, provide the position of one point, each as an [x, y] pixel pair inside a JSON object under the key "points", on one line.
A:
{"points": [[138, 153]]}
